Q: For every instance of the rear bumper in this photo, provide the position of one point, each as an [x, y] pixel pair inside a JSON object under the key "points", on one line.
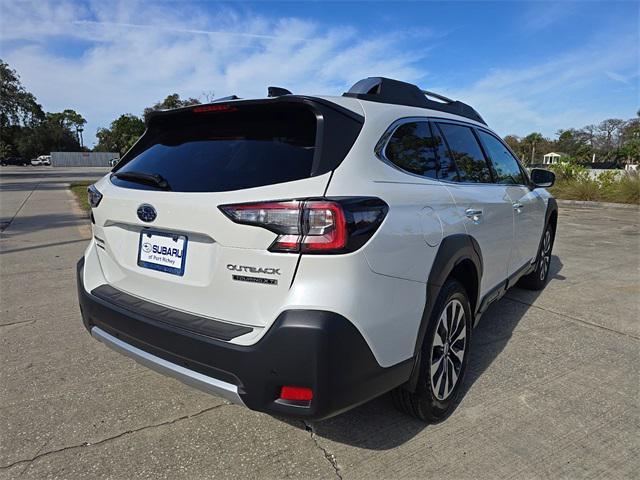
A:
{"points": [[190, 377], [307, 348]]}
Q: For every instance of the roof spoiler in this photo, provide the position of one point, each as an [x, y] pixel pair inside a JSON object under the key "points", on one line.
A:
{"points": [[387, 90]]}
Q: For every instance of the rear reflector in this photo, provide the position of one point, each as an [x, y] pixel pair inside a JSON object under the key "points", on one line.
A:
{"points": [[313, 226], [299, 394]]}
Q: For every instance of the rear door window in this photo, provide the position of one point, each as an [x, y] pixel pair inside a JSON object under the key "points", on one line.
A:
{"points": [[505, 165], [448, 170], [465, 152], [227, 150]]}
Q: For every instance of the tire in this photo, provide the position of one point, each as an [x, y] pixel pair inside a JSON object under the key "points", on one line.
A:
{"points": [[537, 279], [435, 395]]}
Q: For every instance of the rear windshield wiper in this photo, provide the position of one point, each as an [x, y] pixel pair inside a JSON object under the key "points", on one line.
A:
{"points": [[154, 179]]}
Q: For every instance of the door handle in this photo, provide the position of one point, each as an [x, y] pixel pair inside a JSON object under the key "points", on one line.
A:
{"points": [[473, 214], [517, 207]]}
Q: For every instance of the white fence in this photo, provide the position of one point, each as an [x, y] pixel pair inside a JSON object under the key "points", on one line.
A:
{"points": [[82, 159], [594, 173]]}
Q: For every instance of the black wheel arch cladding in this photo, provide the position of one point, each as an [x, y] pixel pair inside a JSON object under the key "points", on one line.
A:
{"points": [[551, 215], [453, 251], [550, 219]]}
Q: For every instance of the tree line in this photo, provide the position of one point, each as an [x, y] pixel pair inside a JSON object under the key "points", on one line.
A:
{"points": [[26, 130], [612, 140], [126, 129]]}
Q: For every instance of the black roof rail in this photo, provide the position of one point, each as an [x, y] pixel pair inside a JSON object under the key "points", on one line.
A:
{"points": [[387, 90], [277, 91], [226, 99]]}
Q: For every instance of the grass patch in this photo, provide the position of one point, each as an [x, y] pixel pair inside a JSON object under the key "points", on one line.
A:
{"points": [[79, 190], [625, 190], [622, 189]]}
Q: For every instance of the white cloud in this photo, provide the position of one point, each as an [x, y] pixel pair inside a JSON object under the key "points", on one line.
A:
{"points": [[128, 55], [618, 77], [561, 92], [129, 61], [541, 15]]}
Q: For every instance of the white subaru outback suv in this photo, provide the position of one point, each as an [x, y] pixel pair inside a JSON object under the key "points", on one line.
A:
{"points": [[301, 255]]}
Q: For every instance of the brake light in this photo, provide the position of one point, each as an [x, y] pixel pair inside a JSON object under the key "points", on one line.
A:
{"points": [[214, 108], [313, 226]]}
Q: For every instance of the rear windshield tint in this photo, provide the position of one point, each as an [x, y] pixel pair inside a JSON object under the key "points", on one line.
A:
{"points": [[226, 150]]}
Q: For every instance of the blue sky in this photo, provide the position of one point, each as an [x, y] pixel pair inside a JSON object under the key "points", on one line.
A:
{"points": [[525, 66]]}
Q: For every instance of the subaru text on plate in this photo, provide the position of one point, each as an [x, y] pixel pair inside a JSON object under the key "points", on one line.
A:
{"points": [[301, 255]]}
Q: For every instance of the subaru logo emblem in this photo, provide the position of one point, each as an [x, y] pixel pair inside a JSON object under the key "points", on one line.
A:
{"points": [[146, 213]]}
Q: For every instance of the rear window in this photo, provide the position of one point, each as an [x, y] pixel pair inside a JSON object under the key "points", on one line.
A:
{"points": [[226, 150]]}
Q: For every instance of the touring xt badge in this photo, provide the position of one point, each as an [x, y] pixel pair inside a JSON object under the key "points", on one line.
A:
{"points": [[259, 270]]}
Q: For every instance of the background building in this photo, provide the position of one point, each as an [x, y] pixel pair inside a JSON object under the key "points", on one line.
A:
{"points": [[552, 157], [82, 159]]}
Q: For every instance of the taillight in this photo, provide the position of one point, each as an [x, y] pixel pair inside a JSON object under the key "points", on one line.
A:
{"points": [[93, 196], [324, 227], [313, 226]]}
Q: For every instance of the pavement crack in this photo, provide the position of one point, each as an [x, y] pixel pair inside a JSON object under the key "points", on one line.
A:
{"points": [[37, 453], [21, 322], [330, 457], [29, 461], [7, 224]]}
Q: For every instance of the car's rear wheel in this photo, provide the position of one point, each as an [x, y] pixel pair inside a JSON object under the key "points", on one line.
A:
{"points": [[443, 358], [537, 279]]}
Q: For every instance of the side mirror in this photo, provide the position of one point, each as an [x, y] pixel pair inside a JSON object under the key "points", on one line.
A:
{"points": [[542, 178]]}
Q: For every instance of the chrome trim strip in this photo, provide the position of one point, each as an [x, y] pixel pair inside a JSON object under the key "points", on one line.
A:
{"points": [[194, 379], [381, 147]]}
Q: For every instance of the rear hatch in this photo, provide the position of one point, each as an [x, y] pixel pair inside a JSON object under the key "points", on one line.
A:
{"points": [[161, 235]]}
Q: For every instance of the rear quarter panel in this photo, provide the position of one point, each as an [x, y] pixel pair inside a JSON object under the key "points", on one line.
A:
{"points": [[386, 299]]}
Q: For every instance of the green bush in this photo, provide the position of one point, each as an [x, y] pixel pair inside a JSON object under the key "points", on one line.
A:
{"points": [[607, 187], [567, 169], [585, 188], [626, 189], [608, 179]]}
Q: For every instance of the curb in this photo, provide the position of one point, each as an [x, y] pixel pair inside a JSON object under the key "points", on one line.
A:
{"points": [[583, 203]]}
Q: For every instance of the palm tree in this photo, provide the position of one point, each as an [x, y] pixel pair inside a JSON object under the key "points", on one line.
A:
{"points": [[532, 139]]}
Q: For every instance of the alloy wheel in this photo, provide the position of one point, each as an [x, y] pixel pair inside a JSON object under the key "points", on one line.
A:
{"points": [[545, 255], [448, 350]]}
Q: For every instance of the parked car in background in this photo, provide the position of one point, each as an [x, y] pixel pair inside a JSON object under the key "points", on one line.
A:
{"points": [[14, 161], [41, 160]]}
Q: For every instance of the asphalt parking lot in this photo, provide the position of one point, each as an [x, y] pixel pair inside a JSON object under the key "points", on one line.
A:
{"points": [[553, 389]]}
